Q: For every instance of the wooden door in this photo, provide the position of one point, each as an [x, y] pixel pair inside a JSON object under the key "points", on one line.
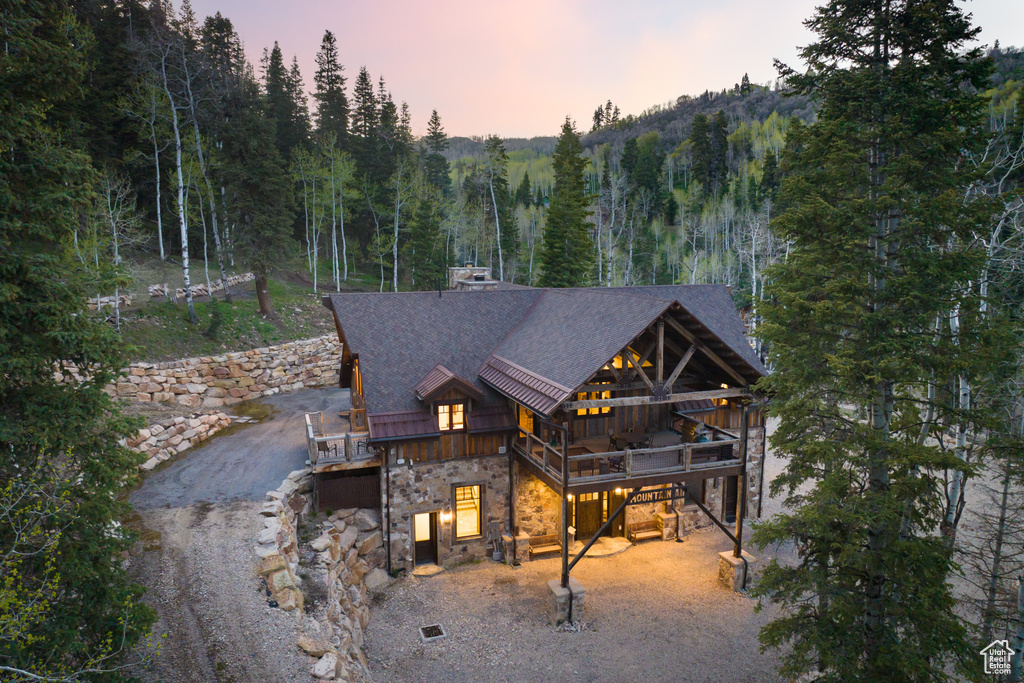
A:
{"points": [[425, 534], [618, 526], [588, 515]]}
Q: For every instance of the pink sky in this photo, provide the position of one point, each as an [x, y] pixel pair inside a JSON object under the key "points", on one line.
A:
{"points": [[516, 69]]}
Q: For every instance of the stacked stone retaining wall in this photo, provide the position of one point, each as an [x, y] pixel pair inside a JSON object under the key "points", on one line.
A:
{"points": [[161, 440], [344, 562], [227, 379]]}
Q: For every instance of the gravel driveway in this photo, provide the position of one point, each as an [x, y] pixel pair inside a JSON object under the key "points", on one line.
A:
{"points": [[655, 613], [199, 517], [245, 461]]}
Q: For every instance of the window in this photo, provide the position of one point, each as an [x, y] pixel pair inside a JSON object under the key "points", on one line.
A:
{"points": [[467, 511], [451, 416], [593, 396]]}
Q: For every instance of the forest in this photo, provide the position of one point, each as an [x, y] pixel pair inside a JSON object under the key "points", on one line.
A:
{"points": [[875, 253]]}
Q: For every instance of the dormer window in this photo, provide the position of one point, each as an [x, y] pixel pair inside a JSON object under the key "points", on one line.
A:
{"points": [[451, 416]]}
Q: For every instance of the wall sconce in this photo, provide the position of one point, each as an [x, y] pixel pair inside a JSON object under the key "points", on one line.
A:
{"points": [[618, 492], [569, 496], [446, 517]]}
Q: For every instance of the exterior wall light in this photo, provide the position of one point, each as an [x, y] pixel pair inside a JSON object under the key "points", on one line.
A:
{"points": [[618, 492], [569, 496], [446, 517]]}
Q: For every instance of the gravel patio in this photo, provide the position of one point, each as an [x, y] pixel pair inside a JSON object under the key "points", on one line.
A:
{"points": [[654, 612]]}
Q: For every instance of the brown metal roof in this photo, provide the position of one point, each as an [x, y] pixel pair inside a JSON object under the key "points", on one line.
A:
{"points": [[441, 380], [701, 406], [403, 424], [530, 389], [491, 418]]}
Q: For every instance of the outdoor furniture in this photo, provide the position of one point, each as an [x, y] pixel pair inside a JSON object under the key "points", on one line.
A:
{"points": [[639, 531], [632, 439], [549, 543]]}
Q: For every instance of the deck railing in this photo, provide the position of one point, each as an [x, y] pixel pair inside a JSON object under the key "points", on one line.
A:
{"points": [[326, 449], [630, 463]]}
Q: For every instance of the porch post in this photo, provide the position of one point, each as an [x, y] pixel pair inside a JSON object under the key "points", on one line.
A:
{"points": [[741, 484], [565, 505]]}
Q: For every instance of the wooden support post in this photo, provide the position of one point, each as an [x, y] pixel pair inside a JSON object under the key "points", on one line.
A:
{"points": [[565, 507], [660, 365], [604, 527], [679, 368], [638, 367], [741, 485]]}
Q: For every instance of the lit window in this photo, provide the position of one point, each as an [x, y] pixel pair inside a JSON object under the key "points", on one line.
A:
{"points": [[451, 416], [593, 396], [467, 511]]}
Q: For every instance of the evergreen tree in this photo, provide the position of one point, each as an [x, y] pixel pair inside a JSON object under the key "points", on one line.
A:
{"points": [[299, 105], [259, 189], [435, 165], [873, 207], [745, 85], [718, 169], [280, 107], [523, 191], [568, 257], [426, 257], [66, 600], [332, 104], [500, 214], [770, 176], [700, 150]]}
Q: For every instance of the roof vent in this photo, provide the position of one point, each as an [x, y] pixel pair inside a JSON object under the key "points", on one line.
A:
{"points": [[469, 264]]}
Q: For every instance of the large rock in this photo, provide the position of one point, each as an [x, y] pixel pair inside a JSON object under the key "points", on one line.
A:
{"points": [[370, 542], [347, 538], [313, 638], [345, 513], [366, 520], [270, 564], [376, 580], [326, 668], [321, 543]]}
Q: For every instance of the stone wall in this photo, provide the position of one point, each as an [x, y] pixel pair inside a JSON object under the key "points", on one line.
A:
{"points": [[538, 507], [174, 435], [427, 487], [224, 380], [342, 563]]}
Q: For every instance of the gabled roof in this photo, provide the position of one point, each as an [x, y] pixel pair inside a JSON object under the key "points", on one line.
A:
{"points": [[534, 345], [441, 380], [403, 424]]}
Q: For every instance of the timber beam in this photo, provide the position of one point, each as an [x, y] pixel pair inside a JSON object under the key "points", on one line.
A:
{"points": [[703, 348], [647, 400]]}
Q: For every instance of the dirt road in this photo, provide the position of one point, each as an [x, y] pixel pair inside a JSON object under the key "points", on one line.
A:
{"points": [[199, 518]]}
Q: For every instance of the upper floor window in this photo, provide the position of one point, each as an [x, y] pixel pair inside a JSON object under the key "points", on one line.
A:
{"points": [[451, 416], [593, 396]]}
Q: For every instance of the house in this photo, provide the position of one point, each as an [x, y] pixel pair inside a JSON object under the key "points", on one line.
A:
{"points": [[522, 419]]}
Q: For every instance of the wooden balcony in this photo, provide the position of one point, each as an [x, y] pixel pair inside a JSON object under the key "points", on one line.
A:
{"points": [[592, 468], [342, 451]]}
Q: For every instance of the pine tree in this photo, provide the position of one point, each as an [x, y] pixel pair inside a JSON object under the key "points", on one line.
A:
{"points": [[718, 169], [435, 165], [65, 598], [568, 258], [873, 208], [332, 103], [523, 191], [426, 257], [770, 176], [300, 122], [745, 85], [701, 150]]}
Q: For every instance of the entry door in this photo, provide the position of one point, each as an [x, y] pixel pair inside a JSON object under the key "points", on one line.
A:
{"points": [[588, 514], [425, 532], [615, 498]]}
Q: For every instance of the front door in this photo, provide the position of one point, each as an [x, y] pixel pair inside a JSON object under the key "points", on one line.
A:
{"points": [[425, 532], [589, 509]]}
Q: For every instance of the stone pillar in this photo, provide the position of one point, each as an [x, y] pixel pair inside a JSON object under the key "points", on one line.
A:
{"points": [[522, 548], [730, 569], [559, 598], [668, 525]]}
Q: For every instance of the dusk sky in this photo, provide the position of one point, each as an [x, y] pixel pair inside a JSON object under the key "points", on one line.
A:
{"points": [[516, 69]]}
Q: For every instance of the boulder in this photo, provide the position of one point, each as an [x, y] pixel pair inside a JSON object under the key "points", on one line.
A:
{"points": [[326, 667], [288, 487], [289, 599], [345, 513], [347, 538], [270, 564], [321, 543], [366, 520], [298, 474], [280, 580], [372, 541], [313, 638], [376, 580]]}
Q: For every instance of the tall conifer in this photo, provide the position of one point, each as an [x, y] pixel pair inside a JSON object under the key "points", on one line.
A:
{"points": [[568, 258], [332, 104]]}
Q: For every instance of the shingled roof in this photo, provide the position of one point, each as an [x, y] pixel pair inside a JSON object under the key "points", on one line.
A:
{"points": [[535, 345]]}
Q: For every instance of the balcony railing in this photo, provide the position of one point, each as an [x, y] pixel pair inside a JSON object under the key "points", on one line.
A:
{"points": [[586, 467], [326, 449]]}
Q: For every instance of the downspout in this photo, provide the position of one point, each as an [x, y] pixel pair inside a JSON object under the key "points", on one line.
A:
{"points": [[387, 512]]}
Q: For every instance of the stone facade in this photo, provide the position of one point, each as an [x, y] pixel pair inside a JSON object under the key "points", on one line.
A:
{"points": [[428, 487], [175, 435], [538, 507], [346, 559], [216, 381]]}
